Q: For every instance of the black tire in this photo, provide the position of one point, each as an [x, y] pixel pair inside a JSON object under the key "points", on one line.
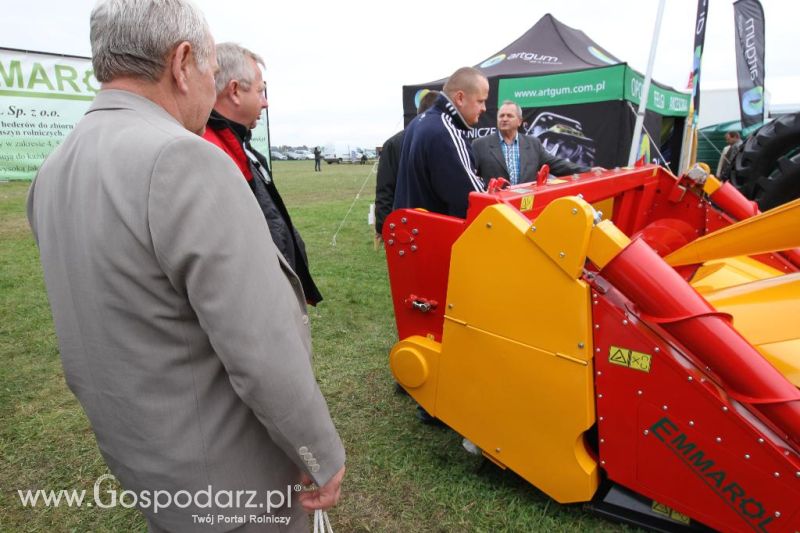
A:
{"points": [[767, 167]]}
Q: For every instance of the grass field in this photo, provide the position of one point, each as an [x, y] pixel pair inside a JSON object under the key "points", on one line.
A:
{"points": [[402, 475]]}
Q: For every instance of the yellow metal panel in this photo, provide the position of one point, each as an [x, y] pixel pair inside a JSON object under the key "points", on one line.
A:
{"points": [[764, 311], [711, 185], [525, 408], [750, 301], [565, 216], [774, 230], [516, 360], [501, 282], [785, 356], [605, 243], [606, 207], [719, 274], [415, 365]]}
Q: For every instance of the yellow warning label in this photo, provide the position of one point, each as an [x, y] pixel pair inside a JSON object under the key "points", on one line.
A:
{"points": [[631, 359], [640, 361], [670, 513], [660, 508], [679, 517], [526, 204], [618, 356]]}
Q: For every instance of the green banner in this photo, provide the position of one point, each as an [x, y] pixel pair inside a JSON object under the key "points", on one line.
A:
{"points": [[587, 86], [662, 101], [42, 97]]}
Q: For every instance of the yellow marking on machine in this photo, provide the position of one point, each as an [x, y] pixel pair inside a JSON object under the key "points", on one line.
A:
{"points": [[526, 204], [629, 358], [669, 512], [711, 185]]}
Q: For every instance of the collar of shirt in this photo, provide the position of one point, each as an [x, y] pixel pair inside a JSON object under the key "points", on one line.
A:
{"points": [[450, 108], [511, 155], [503, 139]]}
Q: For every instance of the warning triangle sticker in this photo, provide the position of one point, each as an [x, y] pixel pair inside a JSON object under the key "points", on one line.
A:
{"points": [[617, 356]]}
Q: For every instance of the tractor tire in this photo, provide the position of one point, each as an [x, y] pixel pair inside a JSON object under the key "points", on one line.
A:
{"points": [[767, 167]]}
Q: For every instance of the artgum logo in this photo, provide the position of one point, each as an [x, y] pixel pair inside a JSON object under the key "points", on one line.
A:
{"points": [[492, 61], [536, 58]]}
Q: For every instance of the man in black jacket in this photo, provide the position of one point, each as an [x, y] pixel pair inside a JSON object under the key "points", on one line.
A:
{"points": [[241, 97], [513, 156], [387, 167], [437, 166]]}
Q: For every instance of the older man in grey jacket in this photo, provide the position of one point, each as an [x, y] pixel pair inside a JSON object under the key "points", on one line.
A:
{"points": [[198, 385]]}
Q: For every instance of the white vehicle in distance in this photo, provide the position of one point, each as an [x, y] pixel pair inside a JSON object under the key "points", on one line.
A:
{"points": [[305, 154], [330, 157]]}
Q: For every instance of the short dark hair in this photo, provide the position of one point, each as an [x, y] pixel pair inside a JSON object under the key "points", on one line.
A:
{"points": [[465, 79], [734, 133], [427, 101]]}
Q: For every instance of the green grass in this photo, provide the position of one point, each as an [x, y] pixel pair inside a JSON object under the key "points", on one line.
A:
{"points": [[402, 475]]}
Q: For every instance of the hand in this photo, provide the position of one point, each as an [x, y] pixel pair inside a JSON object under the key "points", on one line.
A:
{"points": [[324, 497]]}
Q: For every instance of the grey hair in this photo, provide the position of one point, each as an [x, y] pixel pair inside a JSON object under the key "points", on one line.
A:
{"points": [[135, 37], [516, 107], [234, 65]]}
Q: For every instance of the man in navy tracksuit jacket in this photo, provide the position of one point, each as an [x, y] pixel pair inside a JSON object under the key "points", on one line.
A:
{"points": [[437, 167]]}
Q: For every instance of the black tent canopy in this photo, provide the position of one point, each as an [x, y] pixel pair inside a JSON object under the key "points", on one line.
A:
{"points": [[576, 97]]}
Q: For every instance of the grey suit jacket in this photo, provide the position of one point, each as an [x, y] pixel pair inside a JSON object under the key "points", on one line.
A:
{"points": [[532, 155], [183, 332]]}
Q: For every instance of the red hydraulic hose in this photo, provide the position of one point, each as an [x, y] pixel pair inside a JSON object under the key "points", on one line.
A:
{"points": [[733, 202], [659, 292]]}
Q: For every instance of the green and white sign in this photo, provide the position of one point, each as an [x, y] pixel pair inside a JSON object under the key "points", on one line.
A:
{"points": [[42, 97], [586, 86], [596, 85], [662, 101]]}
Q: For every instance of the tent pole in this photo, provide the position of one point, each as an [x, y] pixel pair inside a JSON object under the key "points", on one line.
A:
{"points": [[637, 129]]}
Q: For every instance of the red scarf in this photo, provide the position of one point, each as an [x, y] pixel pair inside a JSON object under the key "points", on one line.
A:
{"points": [[231, 145]]}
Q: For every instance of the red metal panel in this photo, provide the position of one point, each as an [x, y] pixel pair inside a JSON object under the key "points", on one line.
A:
{"points": [[660, 293], [593, 186], [666, 235], [670, 433], [418, 247]]}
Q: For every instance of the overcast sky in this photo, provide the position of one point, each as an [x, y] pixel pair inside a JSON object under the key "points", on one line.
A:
{"points": [[335, 69]]}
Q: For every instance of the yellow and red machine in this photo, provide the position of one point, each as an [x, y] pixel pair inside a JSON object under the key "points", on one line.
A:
{"points": [[646, 360]]}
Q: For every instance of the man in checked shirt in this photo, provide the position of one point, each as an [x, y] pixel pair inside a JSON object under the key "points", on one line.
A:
{"points": [[514, 156]]}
